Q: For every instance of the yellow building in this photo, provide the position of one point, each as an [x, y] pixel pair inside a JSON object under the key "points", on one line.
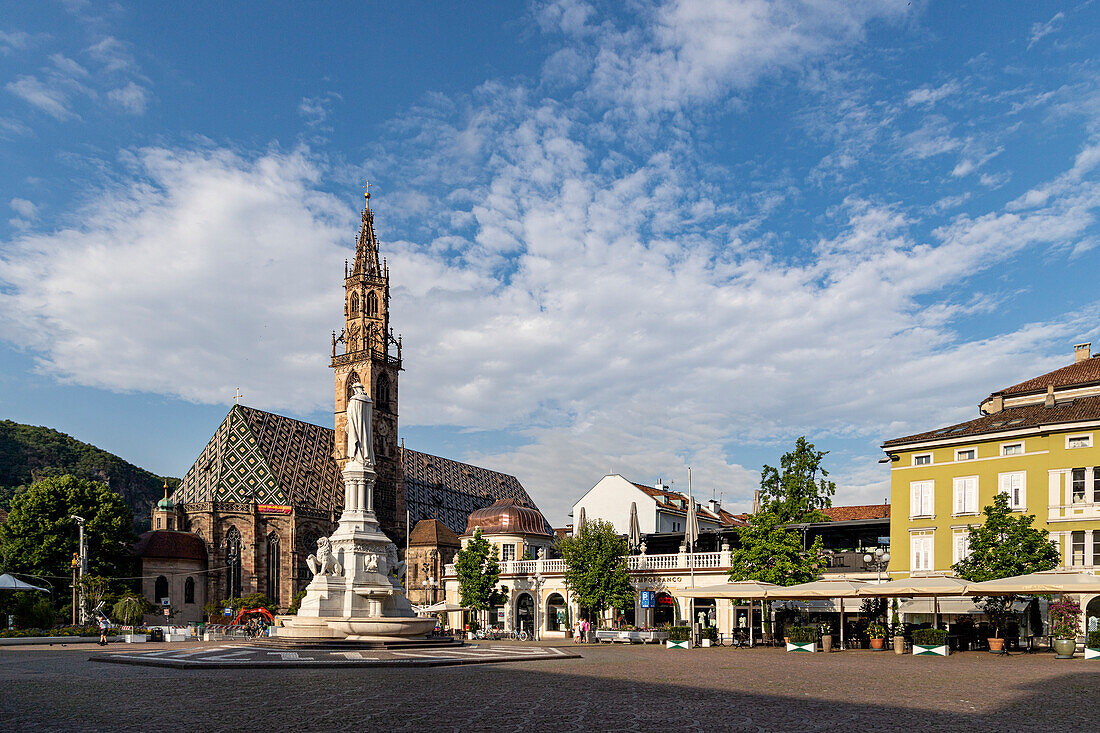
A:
{"points": [[1035, 441]]}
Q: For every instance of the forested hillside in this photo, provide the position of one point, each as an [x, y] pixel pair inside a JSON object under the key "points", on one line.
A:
{"points": [[29, 453]]}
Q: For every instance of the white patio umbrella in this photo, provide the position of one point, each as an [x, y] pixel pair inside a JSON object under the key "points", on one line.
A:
{"points": [[634, 534], [10, 582], [839, 588], [747, 589], [691, 536], [932, 586], [1045, 581]]}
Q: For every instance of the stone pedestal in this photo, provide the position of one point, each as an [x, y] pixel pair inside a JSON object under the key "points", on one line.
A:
{"points": [[359, 597]]}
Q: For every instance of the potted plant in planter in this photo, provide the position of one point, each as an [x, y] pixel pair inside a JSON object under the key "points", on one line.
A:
{"points": [[679, 637], [1092, 645], [930, 643], [826, 637], [1065, 624], [877, 632], [802, 639], [709, 636]]}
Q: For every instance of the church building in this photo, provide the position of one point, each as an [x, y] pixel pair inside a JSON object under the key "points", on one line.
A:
{"points": [[266, 486]]}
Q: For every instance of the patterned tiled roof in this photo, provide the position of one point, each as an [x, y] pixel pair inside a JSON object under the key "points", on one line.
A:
{"points": [[1084, 372], [263, 458], [857, 511], [439, 488], [1011, 418]]}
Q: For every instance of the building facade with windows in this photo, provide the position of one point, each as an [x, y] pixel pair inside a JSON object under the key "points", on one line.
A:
{"points": [[1036, 441]]}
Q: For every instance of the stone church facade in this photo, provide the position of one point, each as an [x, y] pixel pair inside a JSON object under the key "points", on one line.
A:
{"points": [[267, 486]]}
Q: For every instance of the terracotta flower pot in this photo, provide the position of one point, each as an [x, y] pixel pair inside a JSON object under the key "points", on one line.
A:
{"points": [[878, 643], [996, 645]]}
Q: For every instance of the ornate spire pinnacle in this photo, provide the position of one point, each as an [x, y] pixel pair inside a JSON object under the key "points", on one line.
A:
{"points": [[366, 246]]}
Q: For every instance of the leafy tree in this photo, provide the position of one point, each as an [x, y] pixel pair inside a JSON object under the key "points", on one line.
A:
{"points": [[97, 589], [797, 491], [27, 610], [772, 553], [40, 536], [1005, 544], [595, 567], [477, 569], [131, 609]]}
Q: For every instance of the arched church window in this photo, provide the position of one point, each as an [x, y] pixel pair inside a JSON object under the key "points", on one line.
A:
{"points": [[352, 379], [382, 391], [160, 589], [372, 304], [355, 304], [189, 590], [233, 563], [273, 567]]}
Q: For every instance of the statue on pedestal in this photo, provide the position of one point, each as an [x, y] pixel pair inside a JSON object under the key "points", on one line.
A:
{"points": [[324, 562], [360, 444]]}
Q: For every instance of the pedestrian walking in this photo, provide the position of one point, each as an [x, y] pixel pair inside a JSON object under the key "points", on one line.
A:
{"points": [[103, 626], [577, 633]]}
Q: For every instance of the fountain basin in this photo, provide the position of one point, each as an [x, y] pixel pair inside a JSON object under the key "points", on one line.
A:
{"points": [[380, 627]]}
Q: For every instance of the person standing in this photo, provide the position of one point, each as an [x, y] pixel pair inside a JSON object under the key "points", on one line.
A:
{"points": [[577, 633], [103, 626]]}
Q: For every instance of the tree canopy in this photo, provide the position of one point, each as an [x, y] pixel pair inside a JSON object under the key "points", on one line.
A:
{"points": [[477, 569], [1003, 545], [40, 535], [595, 567], [772, 553], [797, 491]]}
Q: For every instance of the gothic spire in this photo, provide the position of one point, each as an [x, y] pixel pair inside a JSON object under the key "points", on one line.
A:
{"points": [[366, 246]]}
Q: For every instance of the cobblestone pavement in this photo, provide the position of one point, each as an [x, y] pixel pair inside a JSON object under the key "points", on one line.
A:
{"points": [[610, 688], [243, 654]]}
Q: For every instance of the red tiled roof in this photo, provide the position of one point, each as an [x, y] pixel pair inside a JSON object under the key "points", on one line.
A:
{"points": [[668, 501], [433, 532], [164, 543], [1012, 418], [1078, 374], [858, 511]]}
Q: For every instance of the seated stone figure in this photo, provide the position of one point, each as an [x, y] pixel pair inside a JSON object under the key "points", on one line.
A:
{"points": [[324, 562]]}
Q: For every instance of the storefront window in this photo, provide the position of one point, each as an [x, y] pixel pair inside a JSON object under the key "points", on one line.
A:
{"points": [[556, 619]]}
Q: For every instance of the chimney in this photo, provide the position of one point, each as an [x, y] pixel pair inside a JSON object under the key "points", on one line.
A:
{"points": [[714, 506], [1050, 395], [756, 502], [1081, 352]]}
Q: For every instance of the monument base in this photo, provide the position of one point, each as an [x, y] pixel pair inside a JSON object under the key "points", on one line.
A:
{"points": [[378, 628]]}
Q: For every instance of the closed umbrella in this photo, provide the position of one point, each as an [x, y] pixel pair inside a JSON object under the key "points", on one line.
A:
{"points": [[933, 586], [10, 582], [691, 536], [580, 521], [839, 588], [634, 535]]}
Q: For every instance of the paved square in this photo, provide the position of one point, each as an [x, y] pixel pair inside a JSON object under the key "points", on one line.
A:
{"points": [[609, 688]]}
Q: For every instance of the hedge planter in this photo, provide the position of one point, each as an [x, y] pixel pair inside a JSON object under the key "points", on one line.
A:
{"points": [[136, 638], [685, 644], [929, 650], [798, 646]]}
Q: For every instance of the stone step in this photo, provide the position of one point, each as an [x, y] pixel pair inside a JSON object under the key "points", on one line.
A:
{"points": [[276, 642]]}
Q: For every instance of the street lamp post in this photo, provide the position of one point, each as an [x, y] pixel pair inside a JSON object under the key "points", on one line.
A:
{"points": [[82, 564], [879, 561]]}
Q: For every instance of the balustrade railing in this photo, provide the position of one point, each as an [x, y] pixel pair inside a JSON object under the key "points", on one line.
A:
{"points": [[699, 561]]}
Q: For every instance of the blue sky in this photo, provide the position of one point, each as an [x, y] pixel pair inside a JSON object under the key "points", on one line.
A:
{"points": [[635, 237]]}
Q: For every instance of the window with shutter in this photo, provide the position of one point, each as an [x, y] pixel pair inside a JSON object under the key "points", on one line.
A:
{"points": [[962, 546], [1013, 485], [922, 553], [921, 499], [966, 495]]}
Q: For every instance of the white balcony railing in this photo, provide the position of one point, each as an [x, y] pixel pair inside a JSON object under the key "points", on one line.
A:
{"points": [[699, 561]]}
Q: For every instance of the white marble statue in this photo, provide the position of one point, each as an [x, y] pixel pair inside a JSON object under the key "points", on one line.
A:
{"points": [[396, 568], [360, 444], [324, 562]]}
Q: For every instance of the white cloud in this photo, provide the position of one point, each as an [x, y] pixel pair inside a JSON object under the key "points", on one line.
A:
{"points": [[50, 98], [24, 208], [1039, 31], [931, 95], [132, 98]]}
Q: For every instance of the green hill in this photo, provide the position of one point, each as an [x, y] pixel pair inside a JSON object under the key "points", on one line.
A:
{"points": [[29, 453]]}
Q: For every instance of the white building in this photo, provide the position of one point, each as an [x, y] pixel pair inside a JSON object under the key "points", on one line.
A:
{"points": [[659, 508]]}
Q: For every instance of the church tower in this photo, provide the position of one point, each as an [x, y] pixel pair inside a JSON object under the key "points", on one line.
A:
{"points": [[372, 357]]}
